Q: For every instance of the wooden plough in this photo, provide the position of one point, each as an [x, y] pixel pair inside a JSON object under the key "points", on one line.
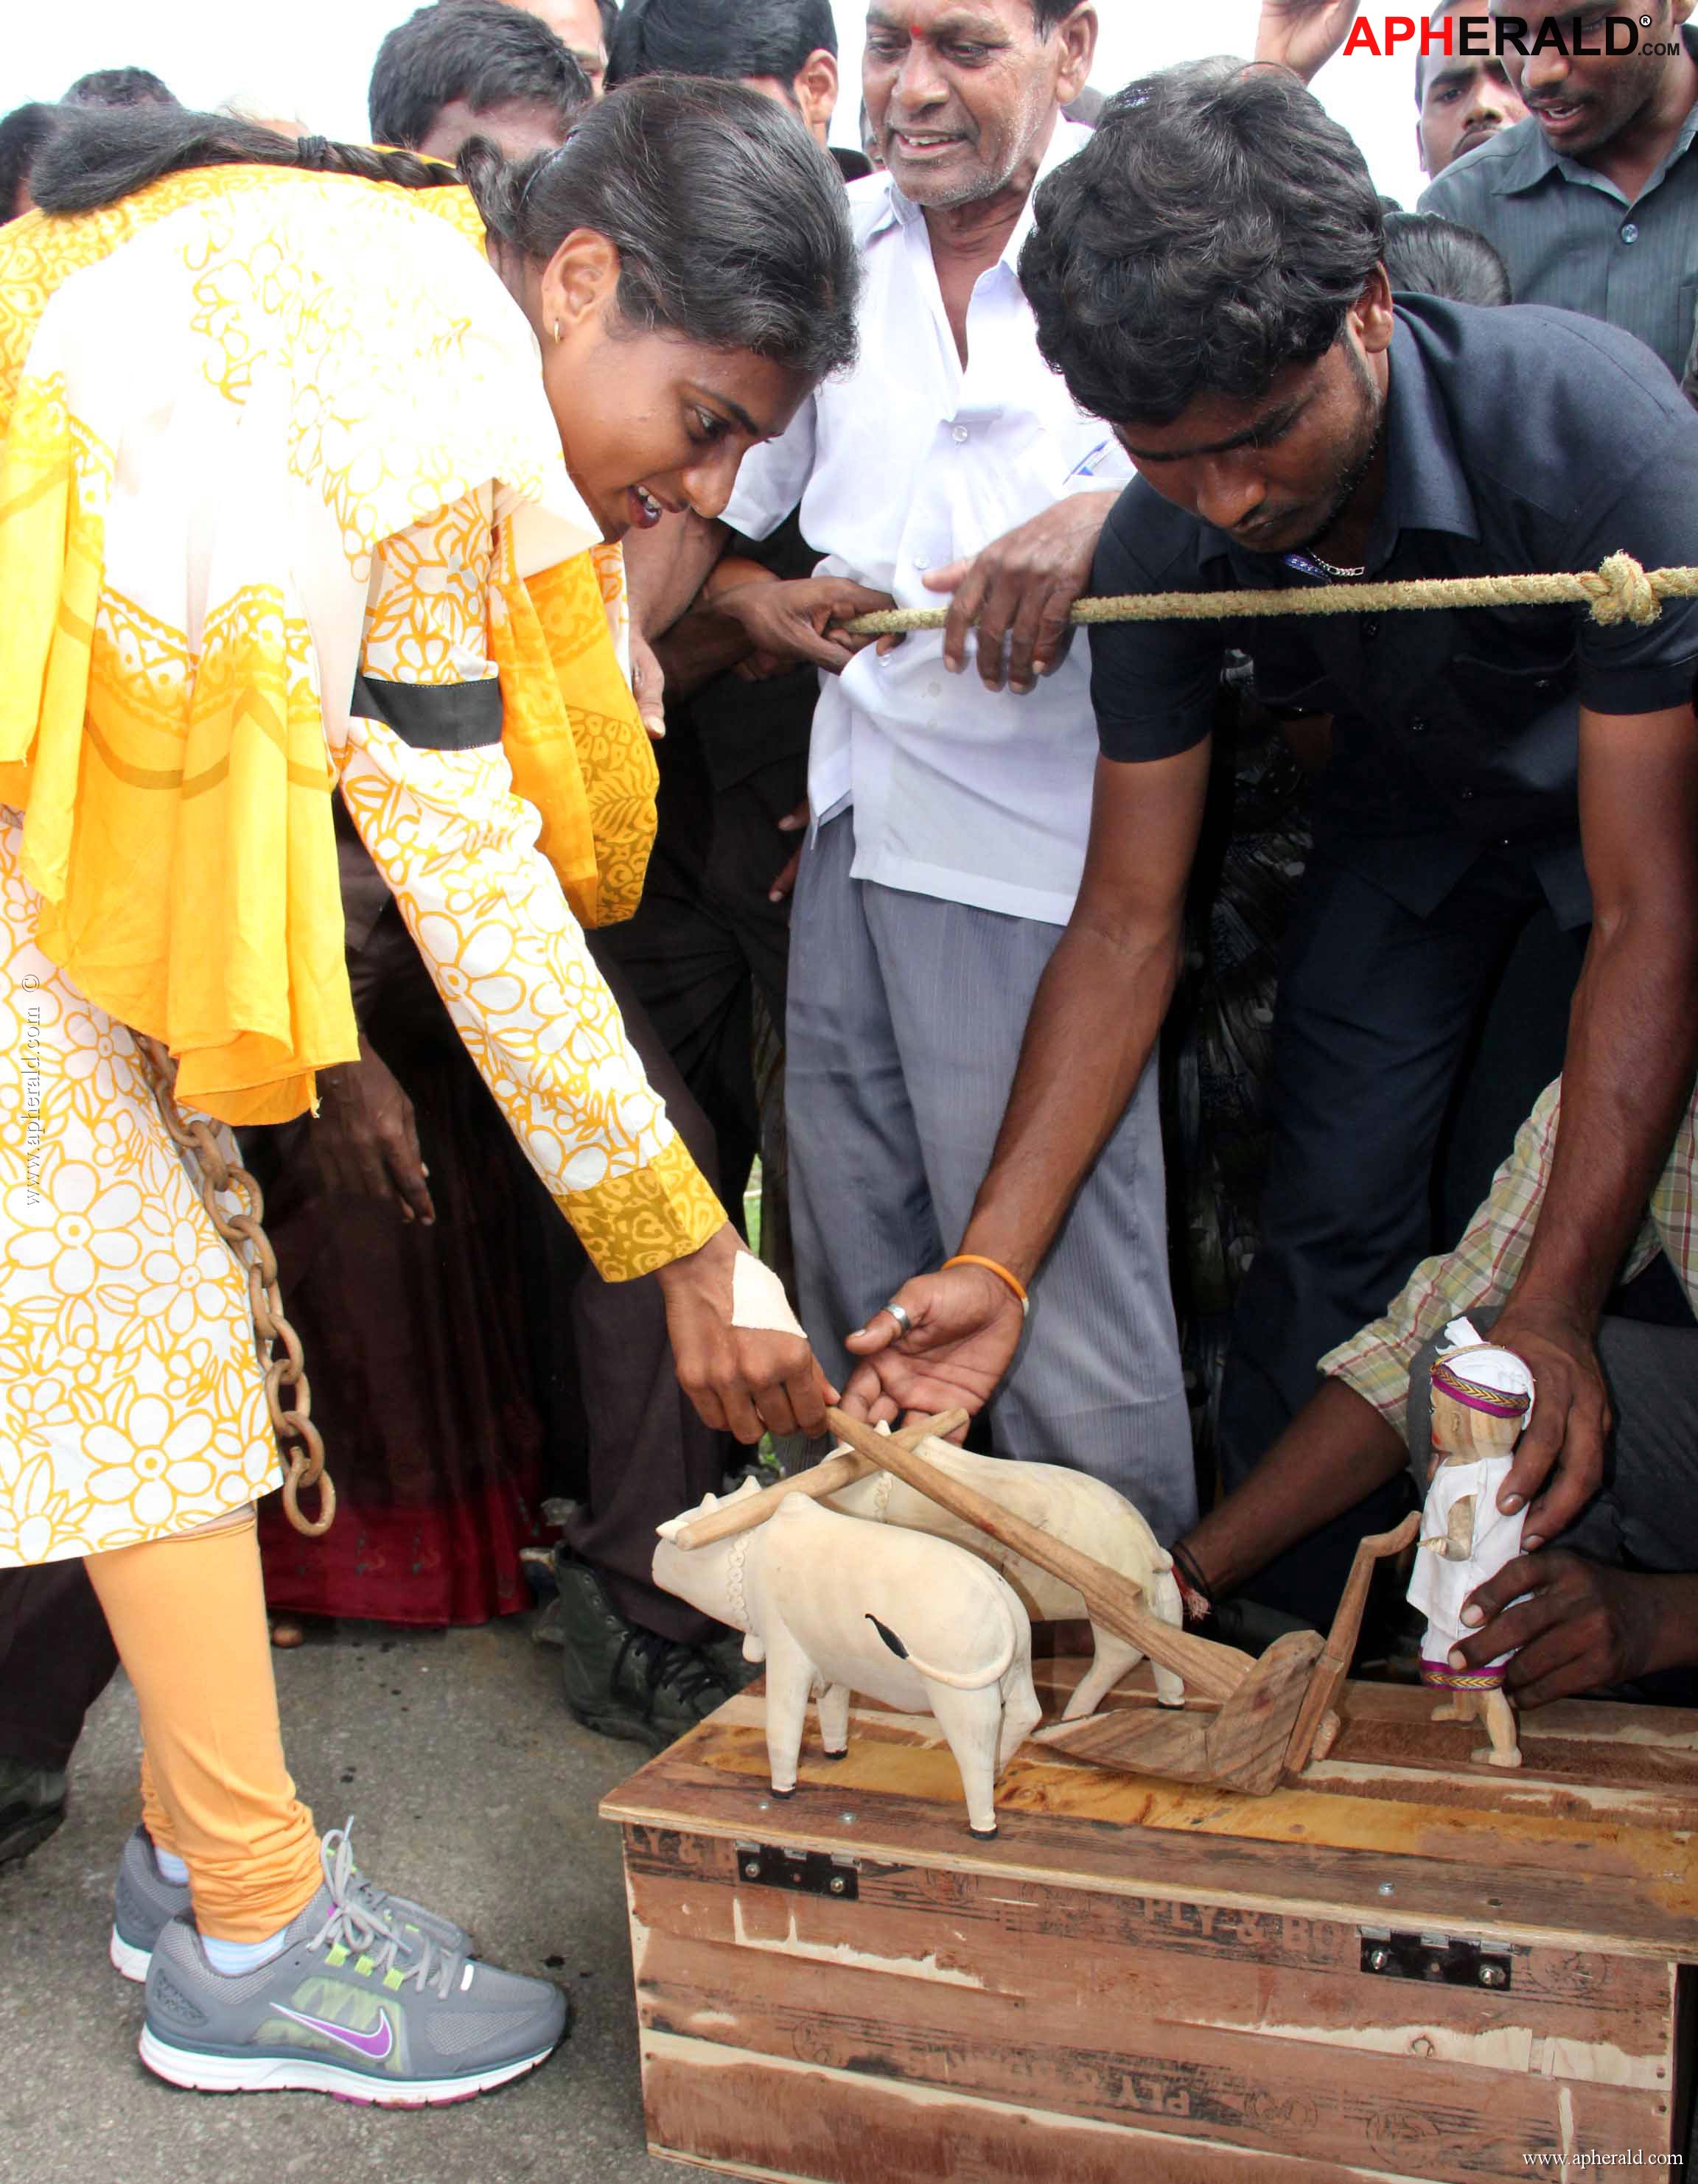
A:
{"points": [[1277, 1718]]}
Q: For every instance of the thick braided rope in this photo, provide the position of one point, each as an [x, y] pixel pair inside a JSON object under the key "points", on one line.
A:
{"points": [[1620, 591]]}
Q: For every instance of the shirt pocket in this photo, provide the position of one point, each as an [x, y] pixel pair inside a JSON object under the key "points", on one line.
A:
{"points": [[1514, 740], [1291, 693], [1493, 693]]}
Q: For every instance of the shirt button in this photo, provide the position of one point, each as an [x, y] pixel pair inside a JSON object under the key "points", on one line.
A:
{"points": [[1418, 727], [959, 434], [1371, 630], [921, 562], [1464, 794], [934, 689], [1630, 231]]}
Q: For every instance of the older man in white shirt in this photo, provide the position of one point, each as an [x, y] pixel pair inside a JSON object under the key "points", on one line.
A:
{"points": [[951, 808]]}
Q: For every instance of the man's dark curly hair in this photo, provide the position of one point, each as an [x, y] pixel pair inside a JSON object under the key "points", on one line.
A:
{"points": [[23, 133], [119, 87], [476, 51], [1217, 227]]}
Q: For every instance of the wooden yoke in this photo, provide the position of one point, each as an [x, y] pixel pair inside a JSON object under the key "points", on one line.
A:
{"points": [[1210, 1671], [743, 1512]]}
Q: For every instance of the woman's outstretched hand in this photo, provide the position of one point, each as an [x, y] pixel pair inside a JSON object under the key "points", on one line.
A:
{"points": [[745, 1380]]}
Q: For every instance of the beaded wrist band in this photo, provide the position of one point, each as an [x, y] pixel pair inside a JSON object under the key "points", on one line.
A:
{"points": [[1195, 1595]]}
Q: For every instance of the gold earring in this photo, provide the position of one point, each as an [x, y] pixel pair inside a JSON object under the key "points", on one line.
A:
{"points": [[557, 333]]}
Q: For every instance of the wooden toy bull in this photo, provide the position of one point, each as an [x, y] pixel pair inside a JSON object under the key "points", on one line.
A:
{"points": [[832, 1603], [1067, 1506]]}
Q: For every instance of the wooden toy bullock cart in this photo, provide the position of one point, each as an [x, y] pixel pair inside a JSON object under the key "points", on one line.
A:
{"points": [[1396, 1964]]}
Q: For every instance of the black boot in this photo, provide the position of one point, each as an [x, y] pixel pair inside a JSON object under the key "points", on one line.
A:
{"points": [[622, 1680], [32, 1806]]}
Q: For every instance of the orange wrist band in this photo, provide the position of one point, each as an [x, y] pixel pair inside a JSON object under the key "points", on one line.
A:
{"points": [[990, 1266]]}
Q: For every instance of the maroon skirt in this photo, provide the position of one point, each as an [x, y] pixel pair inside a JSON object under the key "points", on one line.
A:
{"points": [[427, 1348]]}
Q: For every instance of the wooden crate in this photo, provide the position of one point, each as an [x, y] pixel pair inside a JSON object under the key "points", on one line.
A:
{"points": [[1141, 1983]]}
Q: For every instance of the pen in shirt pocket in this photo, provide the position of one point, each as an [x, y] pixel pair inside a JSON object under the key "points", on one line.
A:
{"points": [[1086, 466]]}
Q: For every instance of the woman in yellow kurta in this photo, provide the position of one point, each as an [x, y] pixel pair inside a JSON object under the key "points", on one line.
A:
{"points": [[302, 493]]}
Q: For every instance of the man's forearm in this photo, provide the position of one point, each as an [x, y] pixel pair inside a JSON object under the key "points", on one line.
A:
{"points": [[1336, 1450], [700, 645], [1633, 1049], [667, 567], [1093, 1024], [1671, 1618]]}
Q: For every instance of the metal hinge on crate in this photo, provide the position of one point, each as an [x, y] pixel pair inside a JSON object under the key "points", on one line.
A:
{"points": [[1435, 1959], [803, 1872]]}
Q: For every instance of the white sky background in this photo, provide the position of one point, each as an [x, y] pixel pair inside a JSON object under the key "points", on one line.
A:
{"points": [[308, 62]]}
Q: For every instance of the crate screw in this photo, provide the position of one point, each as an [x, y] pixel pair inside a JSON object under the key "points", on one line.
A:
{"points": [[1491, 1975], [752, 1868], [1388, 1888], [837, 1884], [1378, 1959]]}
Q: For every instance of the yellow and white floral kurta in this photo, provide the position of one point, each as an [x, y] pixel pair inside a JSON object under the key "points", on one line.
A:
{"points": [[276, 433]]}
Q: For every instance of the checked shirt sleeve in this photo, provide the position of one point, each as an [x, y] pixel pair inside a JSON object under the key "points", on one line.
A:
{"points": [[430, 790], [1481, 1270]]}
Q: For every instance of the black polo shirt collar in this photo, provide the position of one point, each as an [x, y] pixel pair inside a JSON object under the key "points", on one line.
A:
{"points": [[1425, 487]]}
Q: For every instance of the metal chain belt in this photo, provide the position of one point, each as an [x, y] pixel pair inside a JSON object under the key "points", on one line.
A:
{"points": [[279, 1345]]}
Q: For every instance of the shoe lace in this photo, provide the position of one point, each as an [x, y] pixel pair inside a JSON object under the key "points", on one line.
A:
{"points": [[377, 1903], [359, 1922], [666, 1664]]}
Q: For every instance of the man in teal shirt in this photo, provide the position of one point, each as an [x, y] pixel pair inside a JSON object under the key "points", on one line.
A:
{"points": [[1592, 202]]}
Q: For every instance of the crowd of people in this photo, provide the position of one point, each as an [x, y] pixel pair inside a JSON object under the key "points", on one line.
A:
{"points": [[430, 708]]}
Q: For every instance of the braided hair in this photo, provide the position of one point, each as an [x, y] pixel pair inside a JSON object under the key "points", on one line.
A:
{"points": [[729, 219], [100, 154]]}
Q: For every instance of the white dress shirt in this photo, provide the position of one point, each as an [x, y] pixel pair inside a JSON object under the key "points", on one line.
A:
{"points": [[906, 464]]}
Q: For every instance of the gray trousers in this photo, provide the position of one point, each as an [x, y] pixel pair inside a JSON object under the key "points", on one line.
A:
{"points": [[1646, 1515], [905, 1019]]}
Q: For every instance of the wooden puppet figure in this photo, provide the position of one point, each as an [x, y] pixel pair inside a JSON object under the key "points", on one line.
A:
{"points": [[1482, 1399]]}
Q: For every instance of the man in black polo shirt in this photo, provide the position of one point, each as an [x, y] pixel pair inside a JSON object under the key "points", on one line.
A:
{"points": [[1206, 275]]}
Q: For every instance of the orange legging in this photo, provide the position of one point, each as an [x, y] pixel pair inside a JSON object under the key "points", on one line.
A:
{"points": [[187, 1616]]}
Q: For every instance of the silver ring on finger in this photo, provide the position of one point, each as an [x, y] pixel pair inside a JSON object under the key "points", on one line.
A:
{"points": [[903, 1320]]}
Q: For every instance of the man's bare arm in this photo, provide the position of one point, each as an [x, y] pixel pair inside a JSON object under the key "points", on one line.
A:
{"points": [[1093, 1027], [1336, 1451], [665, 567], [1304, 34], [1633, 1049]]}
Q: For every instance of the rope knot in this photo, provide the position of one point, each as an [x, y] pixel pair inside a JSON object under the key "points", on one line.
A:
{"points": [[1620, 592]]}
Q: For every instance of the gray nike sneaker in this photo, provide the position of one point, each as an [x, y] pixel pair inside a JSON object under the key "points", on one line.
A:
{"points": [[354, 2005], [144, 1902]]}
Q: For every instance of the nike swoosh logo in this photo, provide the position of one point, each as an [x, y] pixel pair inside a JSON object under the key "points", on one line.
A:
{"points": [[375, 2045]]}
